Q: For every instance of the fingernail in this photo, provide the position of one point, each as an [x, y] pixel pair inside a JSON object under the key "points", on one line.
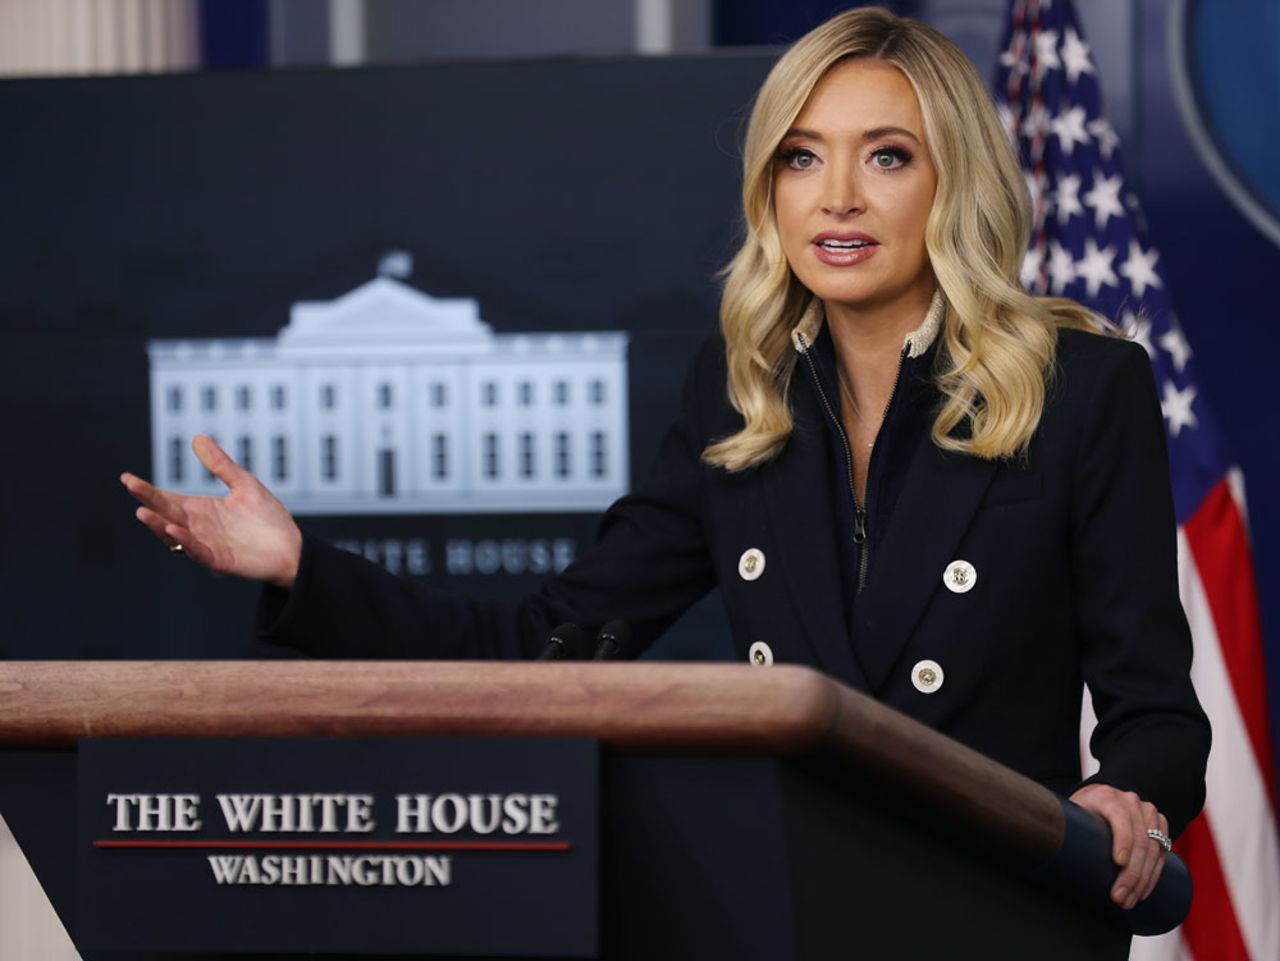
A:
{"points": [[1120, 895], [1122, 857]]}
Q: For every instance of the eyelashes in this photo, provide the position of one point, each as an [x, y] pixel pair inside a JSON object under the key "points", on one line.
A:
{"points": [[899, 155], [887, 158], [797, 158]]}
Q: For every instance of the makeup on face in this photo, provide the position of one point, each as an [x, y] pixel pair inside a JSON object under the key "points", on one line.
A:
{"points": [[853, 189]]}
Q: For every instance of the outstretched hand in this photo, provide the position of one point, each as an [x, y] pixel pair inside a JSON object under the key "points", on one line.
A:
{"points": [[248, 532]]}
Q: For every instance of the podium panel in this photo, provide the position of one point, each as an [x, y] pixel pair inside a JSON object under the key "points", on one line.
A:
{"points": [[744, 813]]}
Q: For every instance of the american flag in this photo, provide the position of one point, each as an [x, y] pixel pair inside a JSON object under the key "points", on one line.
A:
{"points": [[1089, 243]]}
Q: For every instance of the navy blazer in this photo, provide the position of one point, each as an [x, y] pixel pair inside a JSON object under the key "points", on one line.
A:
{"points": [[1073, 548]]}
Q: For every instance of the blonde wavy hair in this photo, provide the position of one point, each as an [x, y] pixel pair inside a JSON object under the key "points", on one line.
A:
{"points": [[998, 341]]}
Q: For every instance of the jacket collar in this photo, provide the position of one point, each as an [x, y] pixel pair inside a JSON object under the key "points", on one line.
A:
{"points": [[805, 333]]}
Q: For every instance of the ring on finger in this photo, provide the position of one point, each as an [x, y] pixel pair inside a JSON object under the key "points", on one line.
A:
{"points": [[1160, 838], [177, 549]]}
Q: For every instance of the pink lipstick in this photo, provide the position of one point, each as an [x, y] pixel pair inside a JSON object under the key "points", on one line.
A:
{"points": [[842, 248]]}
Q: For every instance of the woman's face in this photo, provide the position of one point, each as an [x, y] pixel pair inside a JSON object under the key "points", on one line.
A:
{"points": [[853, 187]]}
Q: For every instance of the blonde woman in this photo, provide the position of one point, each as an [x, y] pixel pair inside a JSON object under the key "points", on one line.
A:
{"points": [[897, 465]]}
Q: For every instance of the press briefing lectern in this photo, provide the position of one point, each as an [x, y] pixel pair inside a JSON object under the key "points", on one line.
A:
{"points": [[740, 813]]}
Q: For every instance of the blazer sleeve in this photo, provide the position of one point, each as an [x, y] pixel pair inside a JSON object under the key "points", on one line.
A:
{"points": [[649, 564], [1152, 736]]}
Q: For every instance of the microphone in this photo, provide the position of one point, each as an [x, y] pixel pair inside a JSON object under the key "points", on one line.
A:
{"points": [[562, 643], [613, 637]]}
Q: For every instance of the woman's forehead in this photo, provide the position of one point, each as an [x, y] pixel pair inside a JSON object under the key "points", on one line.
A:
{"points": [[858, 96]]}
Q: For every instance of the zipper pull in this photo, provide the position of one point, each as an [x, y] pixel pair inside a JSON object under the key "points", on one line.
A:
{"points": [[859, 525]]}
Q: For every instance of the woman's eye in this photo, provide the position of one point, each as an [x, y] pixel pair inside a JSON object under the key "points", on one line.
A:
{"points": [[890, 158], [799, 158]]}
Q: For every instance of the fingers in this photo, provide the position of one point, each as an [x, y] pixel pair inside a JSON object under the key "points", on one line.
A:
{"points": [[1140, 857], [154, 523], [175, 536], [1137, 868], [1153, 819], [183, 538], [157, 501], [172, 535], [1157, 868], [217, 461]]}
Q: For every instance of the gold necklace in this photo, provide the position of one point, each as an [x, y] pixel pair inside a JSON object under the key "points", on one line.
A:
{"points": [[853, 405]]}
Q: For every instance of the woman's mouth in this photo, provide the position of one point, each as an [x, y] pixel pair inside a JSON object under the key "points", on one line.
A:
{"points": [[839, 252]]}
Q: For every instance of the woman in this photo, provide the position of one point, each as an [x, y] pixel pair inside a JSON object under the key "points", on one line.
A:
{"points": [[898, 466]]}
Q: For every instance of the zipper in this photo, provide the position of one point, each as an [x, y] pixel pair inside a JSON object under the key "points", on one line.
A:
{"points": [[860, 515], [865, 554], [848, 452]]}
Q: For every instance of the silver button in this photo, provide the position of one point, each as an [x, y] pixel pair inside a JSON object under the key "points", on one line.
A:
{"points": [[927, 676], [759, 654], [960, 576], [751, 564]]}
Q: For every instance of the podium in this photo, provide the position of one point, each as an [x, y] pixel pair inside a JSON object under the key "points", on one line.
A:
{"points": [[744, 812]]}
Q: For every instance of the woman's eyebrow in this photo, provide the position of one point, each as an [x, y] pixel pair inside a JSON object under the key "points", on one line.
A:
{"points": [[875, 133]]}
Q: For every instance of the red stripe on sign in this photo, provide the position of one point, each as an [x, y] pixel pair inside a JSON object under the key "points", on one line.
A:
{"points": [[1220, 546], [1211, 930], [345, 845]]}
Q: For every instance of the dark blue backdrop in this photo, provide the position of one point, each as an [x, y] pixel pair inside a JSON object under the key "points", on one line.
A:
{"points": [[204, 205]]}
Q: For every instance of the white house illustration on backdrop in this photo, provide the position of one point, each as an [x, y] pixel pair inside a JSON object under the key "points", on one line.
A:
{"points": [[387, 400]]}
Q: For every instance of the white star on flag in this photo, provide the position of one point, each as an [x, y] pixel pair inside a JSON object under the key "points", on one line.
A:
{"points": [[1138, 330], [1036, 123], [1175, 344], [1067, 198], [1012, 57], [1075, 56], [1106, 136], [1104, 198], [1062, 267], [1068, 127], [1140, 269], [1035, 187], [1030, 271], [1008, 121], [1046, 58], [1176, 407], [1095, 267]]}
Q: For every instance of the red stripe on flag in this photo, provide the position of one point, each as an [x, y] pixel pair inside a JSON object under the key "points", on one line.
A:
{"points": [[1220, 545], [1211, 929]]}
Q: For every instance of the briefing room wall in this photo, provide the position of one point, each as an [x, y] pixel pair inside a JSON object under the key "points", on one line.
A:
{"points": [[209, 205], [1129, 45]]}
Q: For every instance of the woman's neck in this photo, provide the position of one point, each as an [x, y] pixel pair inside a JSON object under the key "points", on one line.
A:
{"points": [[868, 343]]}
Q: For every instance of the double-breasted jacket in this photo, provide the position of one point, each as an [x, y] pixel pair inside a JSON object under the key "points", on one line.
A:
{"points": [[994, 593]]}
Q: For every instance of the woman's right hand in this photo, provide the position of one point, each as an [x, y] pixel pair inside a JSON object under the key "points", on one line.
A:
{"points": [[248, 532]]}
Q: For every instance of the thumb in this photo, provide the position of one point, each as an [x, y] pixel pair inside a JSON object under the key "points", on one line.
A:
{"points": [[217, 461]]}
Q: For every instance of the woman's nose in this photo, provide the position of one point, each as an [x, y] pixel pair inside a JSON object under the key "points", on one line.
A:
{"points": [[842, 196]]}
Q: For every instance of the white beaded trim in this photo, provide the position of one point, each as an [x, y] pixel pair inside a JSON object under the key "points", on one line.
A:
{"points": [[920, 339], [805, 333]]}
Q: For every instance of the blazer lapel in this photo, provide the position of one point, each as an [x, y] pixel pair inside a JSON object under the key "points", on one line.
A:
{"points": [[941, 493], [800, 509]]}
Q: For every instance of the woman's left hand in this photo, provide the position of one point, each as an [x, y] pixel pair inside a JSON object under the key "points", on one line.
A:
{"points": [[1140, 857]]}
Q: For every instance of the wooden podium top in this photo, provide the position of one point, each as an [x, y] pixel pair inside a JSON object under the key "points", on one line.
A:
{"points": [[645, 708]]}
